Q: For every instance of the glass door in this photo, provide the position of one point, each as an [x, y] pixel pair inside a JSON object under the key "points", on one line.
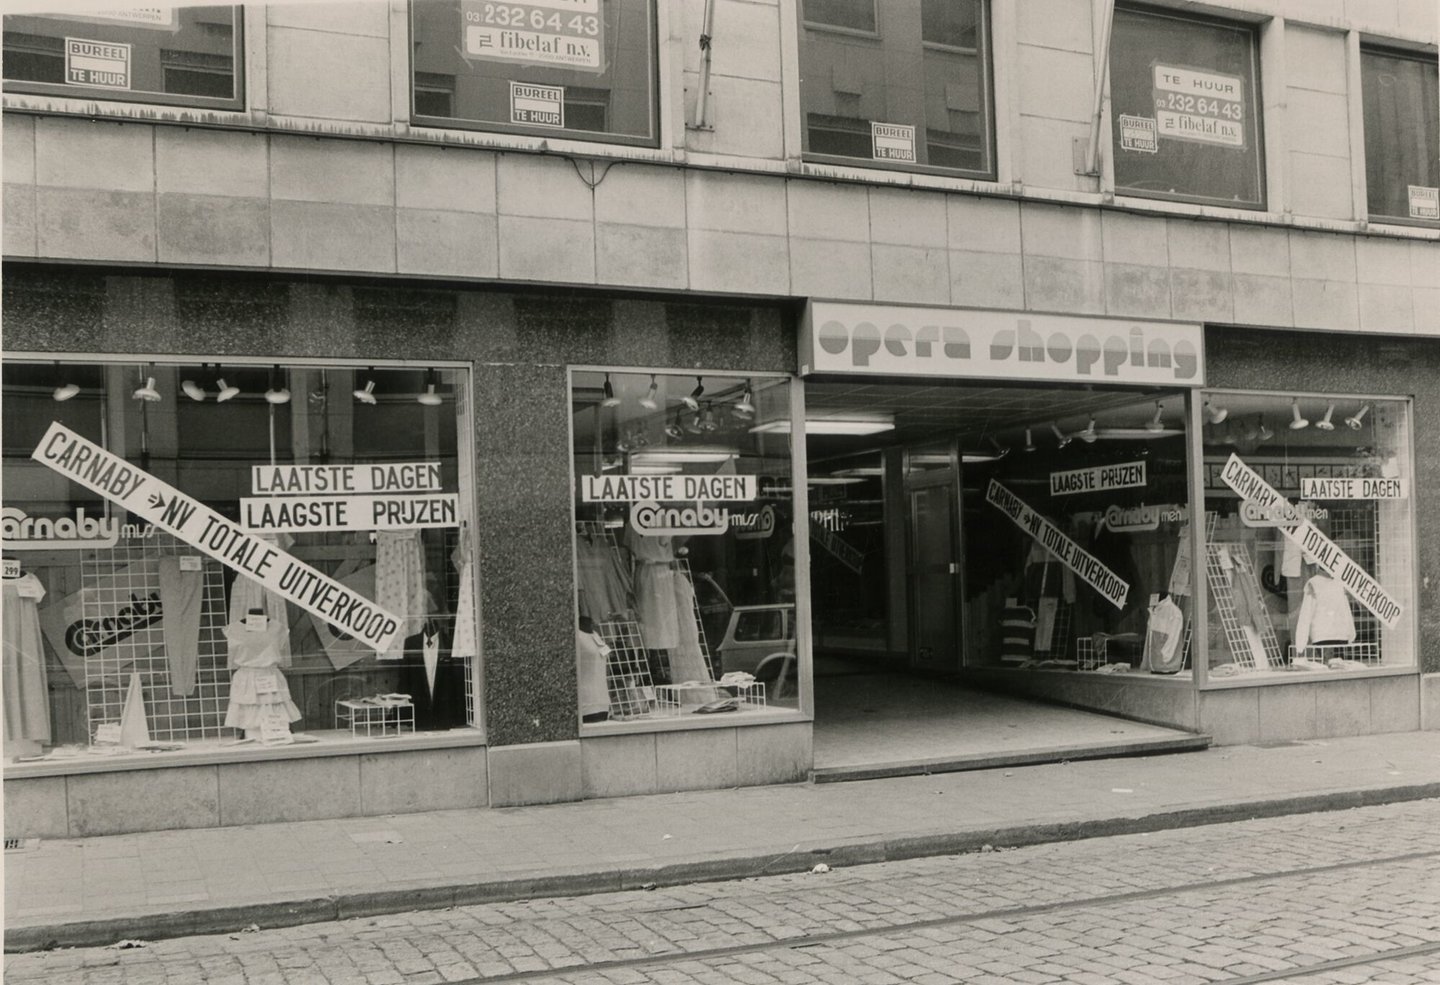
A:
{"points": [[931, 501]]}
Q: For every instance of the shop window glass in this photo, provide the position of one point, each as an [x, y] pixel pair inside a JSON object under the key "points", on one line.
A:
{"points": [[903, 84], [1402, 136], [1308, 536], [122, 636], [181, 56], [1075, 533], [1186, 110], [586, 72], [685, 557]]}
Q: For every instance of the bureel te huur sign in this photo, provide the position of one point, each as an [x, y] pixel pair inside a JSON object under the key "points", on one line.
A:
{"points": [[897, 340]]}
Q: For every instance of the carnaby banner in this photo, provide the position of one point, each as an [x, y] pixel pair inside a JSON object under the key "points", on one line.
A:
{"points": [[897, 340], [166, 507], [21, 532], [112, 620], [1317, 548], [1085, 565]]}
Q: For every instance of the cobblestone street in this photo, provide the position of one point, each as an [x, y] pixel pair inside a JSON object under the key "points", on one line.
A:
{"points": [[1342, 897]]}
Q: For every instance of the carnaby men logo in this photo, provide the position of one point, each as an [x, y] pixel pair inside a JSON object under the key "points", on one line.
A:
{"points": [[22, 532], [690, 519], [89, 636]]}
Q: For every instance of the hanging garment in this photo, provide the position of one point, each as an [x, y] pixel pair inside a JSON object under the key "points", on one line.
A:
{"points": [[1180, 573], [687, 660], [400, 583], [258, 685], [463, 646], [603, 584], [1324, 614], [1162, 638], [655, 589], [27, 691], [1017, 628], [181, 594], [592, 657], [1046, 576], [438, 694], [247, 594]]}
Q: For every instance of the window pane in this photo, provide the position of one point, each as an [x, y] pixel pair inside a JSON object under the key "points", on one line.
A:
{"points": [[1402, 136], [915, 95], [1334, 594], [123, 599], [857, 15], [533, 69], [1186, 119], [184, 55], [685, 563]]}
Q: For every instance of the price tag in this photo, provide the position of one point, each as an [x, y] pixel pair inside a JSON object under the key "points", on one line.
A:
{"points": [[267, 682], [12, 568], [108, 734], [275, 728], [190, 562], [256, 621]]}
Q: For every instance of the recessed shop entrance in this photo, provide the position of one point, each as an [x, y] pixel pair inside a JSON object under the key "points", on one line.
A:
{"points": [[935, 602]]}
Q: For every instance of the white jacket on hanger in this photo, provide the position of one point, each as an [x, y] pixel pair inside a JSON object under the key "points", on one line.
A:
{"points": [[1324, 613]]}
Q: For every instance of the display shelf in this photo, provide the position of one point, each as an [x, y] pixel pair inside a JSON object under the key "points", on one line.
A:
{"points": [[1351, 655], [376, 717], [673, 700]]}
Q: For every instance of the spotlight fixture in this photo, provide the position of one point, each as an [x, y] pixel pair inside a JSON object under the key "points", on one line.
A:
{"points": [[1325, 424], [147, 393], [278, 392], [64, 392], [1297, 422], [1029, 441], [610, 399], [1000, 451], [1353, 423], [1060, 436], [648, 401], [430, 398], [1214, 413], [1156, 423], [1088, 435], [692, 399], [707, 420], [673, 429], [227, 392], [367, 395], [746, 405], [193, 390], [1264, 434]]}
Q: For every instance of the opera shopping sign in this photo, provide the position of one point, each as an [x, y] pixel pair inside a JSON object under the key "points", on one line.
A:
{"points": [[900, 340]]}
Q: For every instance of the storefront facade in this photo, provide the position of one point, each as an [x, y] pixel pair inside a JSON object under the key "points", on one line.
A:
{"points": [[533, 360]]}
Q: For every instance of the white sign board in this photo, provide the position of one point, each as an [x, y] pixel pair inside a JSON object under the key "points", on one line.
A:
{"points": [[1204, 107], [892, 142], [1317, 548], [156, 17], [1137, 133], [668, 488], [308, 480], [104, 64], [110, 620], [537, 106], [1353, 488], [1085, 565], [293, 514], [970, 343], [21, 532], [1424, 202], [82, 461], [1124, 475], [688, 520], [555, 33]]}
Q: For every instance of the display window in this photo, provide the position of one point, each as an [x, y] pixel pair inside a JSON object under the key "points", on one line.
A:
{"points": [[903, 84], [1309, 536], [1402, 136], [187, 56], [584, 69], [1075, 532], [200, 557], [1185, 105], [684, 547]]}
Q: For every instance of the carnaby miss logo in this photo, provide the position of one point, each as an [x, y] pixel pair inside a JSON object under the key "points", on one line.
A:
{"points": [[21, 532], [945, 346], [691, 519], [88, 637]]}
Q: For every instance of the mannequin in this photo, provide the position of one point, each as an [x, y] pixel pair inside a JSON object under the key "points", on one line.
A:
{"points": [[1325, 618], [257, 687]]}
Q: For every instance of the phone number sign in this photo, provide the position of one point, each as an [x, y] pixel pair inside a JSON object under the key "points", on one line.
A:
{"points": [[1204, 107], [557, 33]]}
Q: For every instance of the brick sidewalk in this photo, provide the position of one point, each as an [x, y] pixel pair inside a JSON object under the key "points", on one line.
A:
{"points": [[169, 883]]}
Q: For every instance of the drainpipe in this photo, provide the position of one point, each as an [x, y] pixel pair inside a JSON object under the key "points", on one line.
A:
{"points": [[1092, 156], [702, 98]]}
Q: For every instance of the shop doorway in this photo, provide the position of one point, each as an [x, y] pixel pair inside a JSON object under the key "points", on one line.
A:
{"points": [[932, 520]]}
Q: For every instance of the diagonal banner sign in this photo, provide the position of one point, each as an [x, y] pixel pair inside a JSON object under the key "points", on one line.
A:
{"points": [[143, 495], [1085, 565]]}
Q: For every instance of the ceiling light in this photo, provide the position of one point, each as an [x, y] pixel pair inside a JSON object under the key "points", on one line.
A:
{"points": [[1297, 422], [833, 480], [859, 471], [1264, 434], [430, 398], [1325, 424], [977, 457], [1353, 423], [1088, 435], [692, 399], [830, 425], [746, 405], [226, 391], [277, 394], [707, 420], [692, 455], [673, 429], [1029, 441], [367, 395], [1060, 436], [610, 399], [1156, 423], [64, 392], [147, 393], [999, 451], [193, 390], [653, 469], [648, 401], [1214, 413]]}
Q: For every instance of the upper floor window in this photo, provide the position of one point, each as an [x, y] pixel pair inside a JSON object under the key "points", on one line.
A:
{"points": [[1186, 110], [559, 68], [904, 84], [187, 56], [1402, 136]]}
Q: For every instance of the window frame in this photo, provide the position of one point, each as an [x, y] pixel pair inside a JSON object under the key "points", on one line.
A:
{"points": [[1384, 50], [131, 96]]}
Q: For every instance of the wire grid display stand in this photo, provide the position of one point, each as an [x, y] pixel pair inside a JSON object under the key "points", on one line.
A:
{"points": [[1367, 654], [627, 671], [1059, 634], [1224, 586], [671, 699], [127, 577], [1355, 528]]}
